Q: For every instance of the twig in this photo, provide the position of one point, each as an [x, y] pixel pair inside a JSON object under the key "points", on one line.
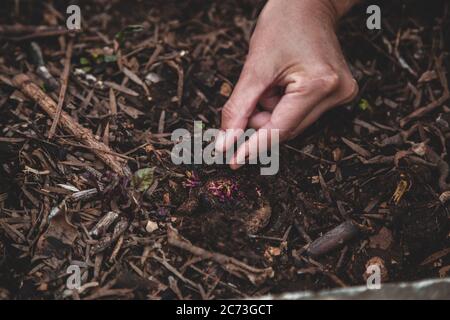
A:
{"points": [[62, 92], [424, 110], [43, 34], [357, 148], [119, 155], [180, 83], [85, 136], [255, 275], [103, 224], [153, 57], [20, 32], [20, 28], [435, 104], [172, 269], [442, 167], [333, 238], [308, 154], [107, 240], [42, 70]]}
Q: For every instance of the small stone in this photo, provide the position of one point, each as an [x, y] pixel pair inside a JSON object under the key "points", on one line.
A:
{"points": [[337, 154], [225, 89], [272, 252], [383, 240], [315, 180], [151, 226], [419, 149], [444, 197], [152, 78]]}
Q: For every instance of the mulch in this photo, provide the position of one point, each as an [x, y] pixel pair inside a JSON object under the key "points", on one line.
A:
{"points": [[86, 177]]}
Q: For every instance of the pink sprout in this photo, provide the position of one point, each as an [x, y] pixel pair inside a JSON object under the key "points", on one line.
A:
{"points": [[224, 189], [192, 180]]}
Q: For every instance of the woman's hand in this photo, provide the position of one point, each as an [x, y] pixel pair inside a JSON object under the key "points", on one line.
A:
{"points": [[295, 71]]}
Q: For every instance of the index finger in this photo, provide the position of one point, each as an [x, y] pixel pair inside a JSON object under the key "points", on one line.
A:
{"points": [[287, 115]]}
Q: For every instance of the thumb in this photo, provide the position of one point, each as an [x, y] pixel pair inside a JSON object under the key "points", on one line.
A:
{"points": [[238, 109]]}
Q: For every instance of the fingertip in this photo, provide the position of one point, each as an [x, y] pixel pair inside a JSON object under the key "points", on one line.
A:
{"points": [[234, 167], [235, 164], [226, 139], [220, 142]]}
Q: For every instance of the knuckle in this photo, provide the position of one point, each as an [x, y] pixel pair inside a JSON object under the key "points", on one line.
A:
{"points": [[324, 79], [328, 78], [350, 89], [330, 81]]}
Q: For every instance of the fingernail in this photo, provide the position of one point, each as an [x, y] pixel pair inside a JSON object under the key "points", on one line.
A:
{"points": [[234, 164], [220, 142], [237, 161]]}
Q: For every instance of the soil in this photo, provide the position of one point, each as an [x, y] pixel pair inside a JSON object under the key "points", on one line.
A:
{"points": [[199, 231]]}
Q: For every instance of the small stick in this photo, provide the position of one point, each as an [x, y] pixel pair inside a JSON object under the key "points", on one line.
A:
{"points": [[229, 264], [42, 70], [123, 156], [103, 224], [43, 34], [309, 154], [85, 136], [180, 84], [442, 166], [418, 113], [302, 231], [19, 28], [62, 92], [333, 238], [107, 240], [153, 57]]}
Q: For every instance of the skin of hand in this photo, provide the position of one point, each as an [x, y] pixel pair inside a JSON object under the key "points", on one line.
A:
{"points": [[294, 72]]}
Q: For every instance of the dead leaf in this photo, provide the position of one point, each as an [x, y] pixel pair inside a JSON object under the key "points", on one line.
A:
{"points": [[59, 235], [130, 111]]}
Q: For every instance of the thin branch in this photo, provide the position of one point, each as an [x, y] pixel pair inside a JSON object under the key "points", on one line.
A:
{"points": [[62, 92]]}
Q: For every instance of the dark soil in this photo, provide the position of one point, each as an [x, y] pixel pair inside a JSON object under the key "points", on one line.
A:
{"points": [[369, 162]]}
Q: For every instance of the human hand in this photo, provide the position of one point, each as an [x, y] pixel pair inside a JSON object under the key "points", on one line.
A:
{"points": [[295, 71]]}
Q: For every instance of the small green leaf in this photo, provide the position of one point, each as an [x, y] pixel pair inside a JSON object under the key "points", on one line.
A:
{"points": [[110, 58], [364, 105], [143, 179], [134, 28], [84, 61], [200, 126]]}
